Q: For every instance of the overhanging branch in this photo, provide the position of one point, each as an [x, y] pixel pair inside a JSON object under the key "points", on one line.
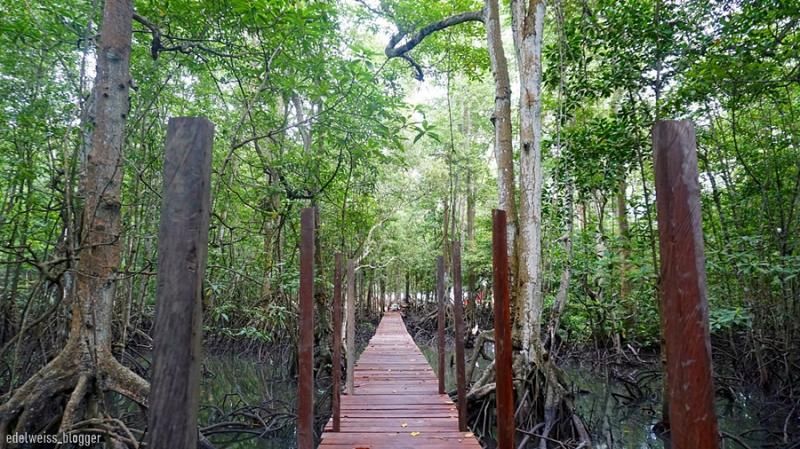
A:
{"points": [[395, 50]]}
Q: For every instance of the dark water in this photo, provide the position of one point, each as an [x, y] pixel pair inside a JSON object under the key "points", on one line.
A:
{"points": [[619, 414], [621, 409], [431, 353], [233, 383]]}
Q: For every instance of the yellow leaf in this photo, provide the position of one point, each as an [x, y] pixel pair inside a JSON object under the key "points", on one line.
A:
{"points": [[413, 434]]}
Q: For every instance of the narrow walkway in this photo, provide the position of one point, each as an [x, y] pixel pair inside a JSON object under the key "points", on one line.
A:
{"points": [[396, 404]]}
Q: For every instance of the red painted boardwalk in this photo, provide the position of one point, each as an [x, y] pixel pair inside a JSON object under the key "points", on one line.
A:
{"points": [[396, 404]]}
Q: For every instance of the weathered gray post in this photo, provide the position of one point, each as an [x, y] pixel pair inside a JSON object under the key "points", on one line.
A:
{"points": [[693, 422], [182, 251]]}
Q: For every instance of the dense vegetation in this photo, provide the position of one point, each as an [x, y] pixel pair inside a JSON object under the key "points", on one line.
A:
{"points": [[395, 132]]}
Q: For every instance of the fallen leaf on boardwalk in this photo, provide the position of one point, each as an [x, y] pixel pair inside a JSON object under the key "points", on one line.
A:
{"points": [[404, 425], [413, 434], [468, 435]]}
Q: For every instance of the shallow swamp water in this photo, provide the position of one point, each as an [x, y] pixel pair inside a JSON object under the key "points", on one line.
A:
{"points": [[620, 406]]}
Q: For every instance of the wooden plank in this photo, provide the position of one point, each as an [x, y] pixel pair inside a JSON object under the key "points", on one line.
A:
{"points": [[396, 402], [683, 288], [182, 251]]}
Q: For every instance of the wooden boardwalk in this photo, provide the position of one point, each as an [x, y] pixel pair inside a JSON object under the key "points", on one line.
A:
{"points": [[396, 403]]}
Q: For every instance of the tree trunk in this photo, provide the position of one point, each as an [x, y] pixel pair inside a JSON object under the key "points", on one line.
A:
{"points": [[470, 246], [563, 289], [528, 24], [503, 150], [528, 28], [624, 255], [446, 234], [87, 356]]}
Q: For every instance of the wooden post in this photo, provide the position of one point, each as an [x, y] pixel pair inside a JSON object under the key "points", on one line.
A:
{"points": [[368, 295], [384, 306], [440, 329], [458, 313], [305, 381], [502, 333], [182, 252], [351, 323], [336, 371], [693, 422]]}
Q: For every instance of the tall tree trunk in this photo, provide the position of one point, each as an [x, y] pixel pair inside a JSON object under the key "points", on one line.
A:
{"points": [[101, 188], [470, 245], [528, 24], [87, 357], [563, 289], [528, 28], [446, 233], [503, 149], [624, 255]]}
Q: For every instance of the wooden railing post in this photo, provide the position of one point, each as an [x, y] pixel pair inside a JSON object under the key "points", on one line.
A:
{"points": [[182, 251], [351, 325], [458, 313], [440, 318], [502, 333], [693, 422], [305, 381], [336, 371]]}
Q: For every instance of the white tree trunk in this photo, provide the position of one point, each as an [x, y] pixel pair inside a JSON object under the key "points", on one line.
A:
{"points": [[528, 24]]}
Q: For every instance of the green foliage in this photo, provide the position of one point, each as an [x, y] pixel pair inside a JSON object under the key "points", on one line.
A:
{"points": [[308, 112], [722, 319]]}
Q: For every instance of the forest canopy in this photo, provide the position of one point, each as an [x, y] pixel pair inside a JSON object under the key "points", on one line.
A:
{"points": [[404, 123]]}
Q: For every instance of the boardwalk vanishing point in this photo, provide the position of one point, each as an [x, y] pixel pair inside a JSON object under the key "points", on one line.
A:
{"points": [[396, 403]]}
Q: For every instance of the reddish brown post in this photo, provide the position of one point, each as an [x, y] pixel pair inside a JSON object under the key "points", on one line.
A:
{"points": [[336, 370], [683, 288], [182, 251], [305, 380], [440, 329], [351, 326], [502, 333], [458, 313]]}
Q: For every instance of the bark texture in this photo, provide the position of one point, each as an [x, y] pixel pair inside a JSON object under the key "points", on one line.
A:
{"points": [[503, 148], [528, 24]]}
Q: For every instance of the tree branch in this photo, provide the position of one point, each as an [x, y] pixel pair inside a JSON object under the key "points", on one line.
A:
{"points": [[394, 50], [186, 47], [155, 45]]}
